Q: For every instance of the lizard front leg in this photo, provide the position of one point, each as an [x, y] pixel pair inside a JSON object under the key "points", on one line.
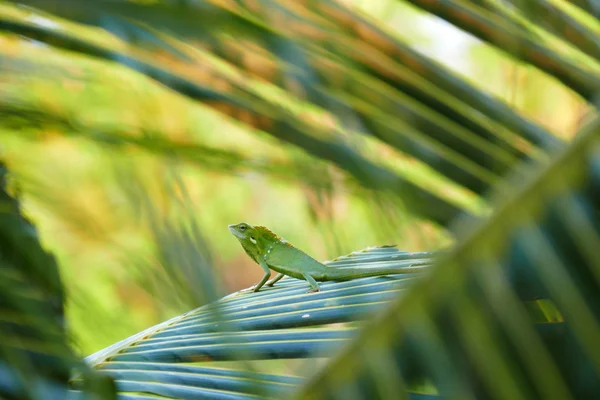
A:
{"points": [[275, 280], [313, 284], [260, 284]]}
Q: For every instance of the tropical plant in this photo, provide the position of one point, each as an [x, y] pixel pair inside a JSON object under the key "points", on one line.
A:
{"points": [[35, 359], [511, 311]]}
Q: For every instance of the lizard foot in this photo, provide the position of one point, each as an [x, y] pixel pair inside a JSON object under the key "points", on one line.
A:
{"points": [[251, 289], [314, 290]]}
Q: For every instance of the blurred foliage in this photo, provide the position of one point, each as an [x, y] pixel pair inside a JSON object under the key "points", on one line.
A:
{"points": [[35, 358], [67, 130], [137, 131], [468, 328]]}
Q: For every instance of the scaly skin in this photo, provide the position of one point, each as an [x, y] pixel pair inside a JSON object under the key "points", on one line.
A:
{"points": [[274, 253]]}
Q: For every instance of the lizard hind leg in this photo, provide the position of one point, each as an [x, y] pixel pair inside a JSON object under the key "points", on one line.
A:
{"points": [[313, 284], [262, 282]]}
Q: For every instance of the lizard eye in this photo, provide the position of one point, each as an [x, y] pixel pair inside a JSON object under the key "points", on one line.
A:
{"points": [[242, 227]]}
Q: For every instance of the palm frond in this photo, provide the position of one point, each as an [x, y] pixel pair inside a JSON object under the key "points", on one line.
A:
{"points": [[432, 115], [562, 24], [465, 328], [395, 62], [511, 312], [510, 38], [316, 138], [588, 6], [35, 358], [282, 322]]}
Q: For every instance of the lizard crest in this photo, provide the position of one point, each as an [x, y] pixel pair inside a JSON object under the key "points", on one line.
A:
{"points": [[270, 236]]}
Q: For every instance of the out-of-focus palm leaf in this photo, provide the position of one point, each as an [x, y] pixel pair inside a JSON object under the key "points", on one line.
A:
{"points": [[562, 24], [510, 38], [35, 359], [400, 66], [282, 322], [34, 118], [430, 115], [465, 327], [314, 136], [590, 6]]}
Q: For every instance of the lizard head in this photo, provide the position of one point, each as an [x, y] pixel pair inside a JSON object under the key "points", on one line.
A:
{"points": [[248, 236], [244, 232]]}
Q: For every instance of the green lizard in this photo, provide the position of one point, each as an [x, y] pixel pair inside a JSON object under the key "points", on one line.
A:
{"points": [[274, 253]]}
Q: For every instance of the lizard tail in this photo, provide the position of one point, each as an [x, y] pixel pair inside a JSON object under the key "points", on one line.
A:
{"points": [[353, 273]]}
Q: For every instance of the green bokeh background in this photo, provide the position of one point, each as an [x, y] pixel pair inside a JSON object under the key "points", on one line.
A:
{"points": [[136, 230]]}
